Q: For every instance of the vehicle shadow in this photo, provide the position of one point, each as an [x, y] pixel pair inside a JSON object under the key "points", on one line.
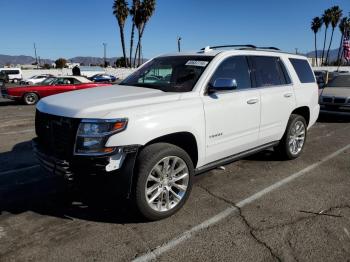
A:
{"points": [[4, 102], [37, 191], [333, 117]]}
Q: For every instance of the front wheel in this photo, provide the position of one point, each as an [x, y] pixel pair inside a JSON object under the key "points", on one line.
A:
{"points": [[30, 98], [293, 140], [164, 180]]}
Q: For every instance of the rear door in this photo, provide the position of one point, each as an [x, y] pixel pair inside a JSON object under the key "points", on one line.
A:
{"points": [[232, 117], [277, 96]]}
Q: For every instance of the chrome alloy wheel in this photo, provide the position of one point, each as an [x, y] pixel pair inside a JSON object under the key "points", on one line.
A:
{"points": [[167, 183], [296, 137], [30, 99]]}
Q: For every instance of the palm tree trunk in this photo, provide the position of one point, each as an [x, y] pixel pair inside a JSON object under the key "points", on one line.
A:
{"points": [[330, 44], [324, 44], [140, 42], [316, 49], [137, 50], [132, 42], [340, 47], [123, 44]]}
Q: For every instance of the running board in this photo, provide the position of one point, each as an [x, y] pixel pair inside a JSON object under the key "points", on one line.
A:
{"points": [[233, 158]]}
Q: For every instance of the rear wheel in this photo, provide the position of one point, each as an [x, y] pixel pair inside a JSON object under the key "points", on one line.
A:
{"points": [[293, 140], [164, 180], [30, 98]]}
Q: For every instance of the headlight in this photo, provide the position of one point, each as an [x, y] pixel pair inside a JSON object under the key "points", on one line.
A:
{"points": [[93, 134]]}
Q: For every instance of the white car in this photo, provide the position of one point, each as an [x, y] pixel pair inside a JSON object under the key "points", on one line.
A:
{"points": [[177, 116], [36, 79], [14, 74]]}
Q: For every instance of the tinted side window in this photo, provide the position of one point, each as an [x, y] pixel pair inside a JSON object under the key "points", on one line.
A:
{"points": [[269, 72], [303, 70], [234, 67], [12, 72]]}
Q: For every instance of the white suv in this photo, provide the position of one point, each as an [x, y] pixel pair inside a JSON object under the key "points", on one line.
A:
{"points": [[177, 116]]}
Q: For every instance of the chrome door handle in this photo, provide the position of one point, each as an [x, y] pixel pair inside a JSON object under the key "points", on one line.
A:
{"points": [[288, 95], [252, 101]]}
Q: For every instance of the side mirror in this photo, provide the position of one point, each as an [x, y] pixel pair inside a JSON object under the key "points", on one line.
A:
{"points": [[223, 84]]}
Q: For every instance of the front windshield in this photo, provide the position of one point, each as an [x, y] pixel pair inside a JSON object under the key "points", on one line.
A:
{"points": [[340, 81], [170, 74]]}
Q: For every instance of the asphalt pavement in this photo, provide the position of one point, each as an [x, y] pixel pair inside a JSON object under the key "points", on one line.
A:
{"points": [[257, 209]]}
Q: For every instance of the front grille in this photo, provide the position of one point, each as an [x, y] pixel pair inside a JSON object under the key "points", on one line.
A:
{"points": [[339, 100], [327, 100], [56, 134]]}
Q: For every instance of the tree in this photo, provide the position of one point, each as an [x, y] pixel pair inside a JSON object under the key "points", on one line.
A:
{"points": [[143, 14], [60, 63], [47, 66], [121, 62], [344, 25], [326, 18], [121, 12], [133, 13], [315, 27], [336, 14]]}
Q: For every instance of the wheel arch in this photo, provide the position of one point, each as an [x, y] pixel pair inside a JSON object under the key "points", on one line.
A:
{"points": [[303, 111], [185, 140]]}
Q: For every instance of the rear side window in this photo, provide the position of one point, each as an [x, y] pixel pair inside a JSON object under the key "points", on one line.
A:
{"points": [[303, 70], [269, 71], [12, 72], [235, 67]]}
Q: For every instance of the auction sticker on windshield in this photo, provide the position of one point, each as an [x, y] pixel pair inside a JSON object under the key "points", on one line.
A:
{"points": [[197, 63]]}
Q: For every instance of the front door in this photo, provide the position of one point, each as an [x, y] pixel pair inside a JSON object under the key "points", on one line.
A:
{"points": [[232, 117]]}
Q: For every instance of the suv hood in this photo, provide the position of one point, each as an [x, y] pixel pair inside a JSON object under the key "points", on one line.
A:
{"points": [[336, 91], [100, 101]]}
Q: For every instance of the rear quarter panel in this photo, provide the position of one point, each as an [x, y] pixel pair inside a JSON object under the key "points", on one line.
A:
{"points": [[306, 94]]}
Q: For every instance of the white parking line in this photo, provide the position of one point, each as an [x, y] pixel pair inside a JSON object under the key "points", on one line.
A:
{"points": [[151, 255], [18, 170]]}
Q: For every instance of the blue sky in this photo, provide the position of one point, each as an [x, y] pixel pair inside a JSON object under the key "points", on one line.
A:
{"points": [[68, 28]]}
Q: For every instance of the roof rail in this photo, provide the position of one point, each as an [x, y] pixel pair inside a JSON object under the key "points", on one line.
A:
{"points": [[225, 46], [208, 48], [268, 47]]}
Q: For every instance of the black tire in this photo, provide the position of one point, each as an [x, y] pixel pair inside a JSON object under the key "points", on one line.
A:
{"points": [[148, 158], [30, 98], [283, 148]]}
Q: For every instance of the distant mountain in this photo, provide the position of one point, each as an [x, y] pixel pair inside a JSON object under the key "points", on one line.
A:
{"points": [[333, 54], [24, 60], [20, 60]]}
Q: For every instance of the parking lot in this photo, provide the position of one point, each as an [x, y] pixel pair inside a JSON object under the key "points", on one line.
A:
{"points": [[257, 209]]}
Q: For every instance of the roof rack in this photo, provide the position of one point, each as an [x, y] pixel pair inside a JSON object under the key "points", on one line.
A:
{"points": [[225, 46], [208, 48]]}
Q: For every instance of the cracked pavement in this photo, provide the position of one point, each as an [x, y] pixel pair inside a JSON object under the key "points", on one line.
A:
{"points": [[307, 219]]}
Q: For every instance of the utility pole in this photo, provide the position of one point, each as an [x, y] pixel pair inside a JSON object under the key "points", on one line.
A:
{"points": [[104, 54], [36, 58], [179, 43]]}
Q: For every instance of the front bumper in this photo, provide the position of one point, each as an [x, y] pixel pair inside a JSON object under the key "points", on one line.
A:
{"points": [[335, 107], [83, 166]]}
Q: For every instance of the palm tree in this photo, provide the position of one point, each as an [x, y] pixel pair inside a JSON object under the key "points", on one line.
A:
{"points": [[336, 14], [133, 13], [121, 12], [326, 18], [315, 27], [144, 13], [344, 25]]}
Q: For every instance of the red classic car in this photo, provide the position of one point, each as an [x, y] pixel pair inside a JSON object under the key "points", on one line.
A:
{"points": [[50, 86]]}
